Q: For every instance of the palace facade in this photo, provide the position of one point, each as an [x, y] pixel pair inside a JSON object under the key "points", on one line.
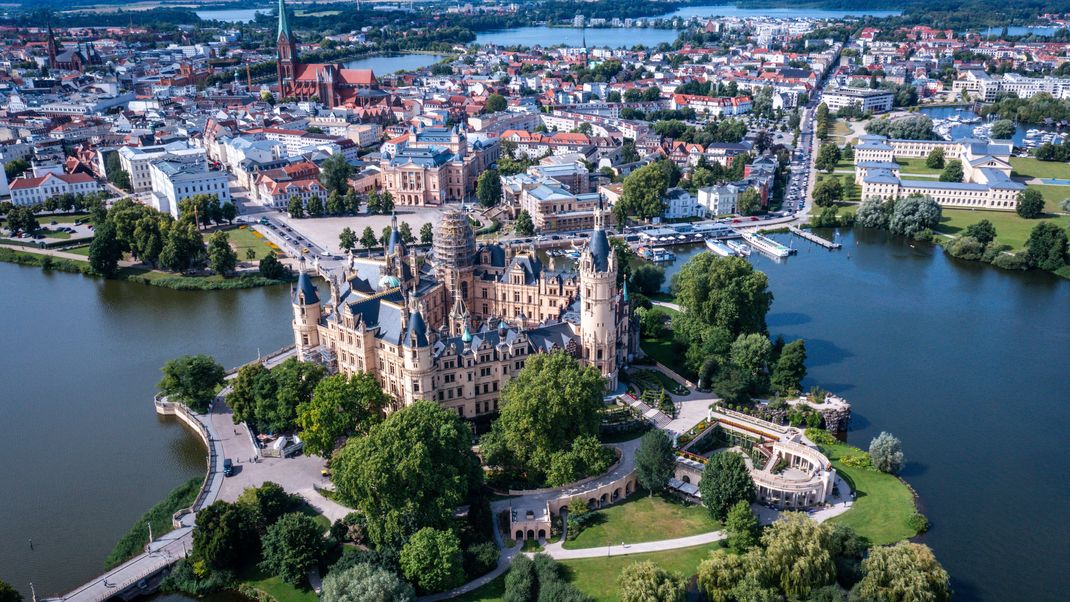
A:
{"points": [[453, 327]]}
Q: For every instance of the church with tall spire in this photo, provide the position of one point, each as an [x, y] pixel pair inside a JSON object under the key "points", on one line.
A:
{"points": [[329, 83], [454, 325]]}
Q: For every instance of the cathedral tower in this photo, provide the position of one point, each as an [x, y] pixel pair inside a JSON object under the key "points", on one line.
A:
{"points": [[455, 257], [286, 47], [598, 303]]}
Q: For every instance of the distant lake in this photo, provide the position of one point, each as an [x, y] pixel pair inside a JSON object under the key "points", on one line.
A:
{"points": [[727, 10], [392, 63], [573, 36], [238, 15]]}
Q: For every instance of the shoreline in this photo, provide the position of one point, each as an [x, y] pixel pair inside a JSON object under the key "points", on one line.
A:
{"points": [[51, 263]]}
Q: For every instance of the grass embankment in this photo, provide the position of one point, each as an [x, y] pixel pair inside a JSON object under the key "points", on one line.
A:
{"points": [[1010, 228], [597, 577], [643, 517], [253, 580], [133, 274], [1028, 167], [661, 348], [883, 504], [159, 516], [244, 238]]}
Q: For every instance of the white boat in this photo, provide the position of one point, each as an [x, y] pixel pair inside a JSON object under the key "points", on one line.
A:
{"points": [[719, 248], [741, 249]]}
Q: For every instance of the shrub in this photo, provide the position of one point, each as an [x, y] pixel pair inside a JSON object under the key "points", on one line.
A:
{"points": [[820, 437], [480, 559], [886, 453], [918, 522], [1009, 261], [858, 461]]}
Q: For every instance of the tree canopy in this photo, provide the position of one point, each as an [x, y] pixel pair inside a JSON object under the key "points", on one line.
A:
{"points": [[192, 380], [905, 571], [1046, 247], [489, 188], [292, 546], [431, 559], [365, 582], [886, 453], [545, 407], [654, 461], [410, 472], [339, 406], [725, 482], [647, 582]]}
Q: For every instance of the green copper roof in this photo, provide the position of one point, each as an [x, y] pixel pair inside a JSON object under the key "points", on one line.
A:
{"points": [[284, 23]]}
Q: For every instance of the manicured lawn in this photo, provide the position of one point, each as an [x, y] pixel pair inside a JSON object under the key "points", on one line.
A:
{"points": [[840, 131], [597, 577], [662, 351], [243, 237], [645, 518], [1033, 168], [1053, 196], [883, 504], [79, 250], [276, 587], [48, 232], [1010, 229], [915, 166]]}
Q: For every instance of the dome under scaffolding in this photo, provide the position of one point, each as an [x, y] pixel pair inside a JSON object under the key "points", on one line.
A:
{"points": [[455, 241]]}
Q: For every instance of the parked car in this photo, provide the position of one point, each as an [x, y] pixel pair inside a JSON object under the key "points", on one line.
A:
{"points": [[228, 467]]}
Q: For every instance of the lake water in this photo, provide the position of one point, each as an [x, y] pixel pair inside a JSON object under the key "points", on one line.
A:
{"points": [[84, 454], [965, 130], [573, 37], [392, 63], [727, 10], [238, 15], [964, 362]]}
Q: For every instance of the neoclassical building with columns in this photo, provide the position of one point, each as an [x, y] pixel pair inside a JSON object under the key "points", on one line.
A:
{"points": [[454, 325]]}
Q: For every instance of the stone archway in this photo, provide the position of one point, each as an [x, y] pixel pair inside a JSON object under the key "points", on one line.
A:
{"points": [[531, 534], [628, 488], [602, 500], [592, 504], [519, 535], [542, 533], [616, 494], [685, 479]]}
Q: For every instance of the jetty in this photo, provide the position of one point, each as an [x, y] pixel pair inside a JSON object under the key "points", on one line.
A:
{"points": [[814, 238]]}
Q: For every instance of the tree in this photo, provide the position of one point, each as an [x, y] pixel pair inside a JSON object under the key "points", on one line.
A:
{"points": [[545, 407], [15, 167], [827, 157], [749, 201], [296, 208], [315, 207], [270, 267], [725, 292], [586, 457], [725, 482], [192, 380], [226, 535], [347, 239], [495, 103], [648, 278], [905, 571], [384, 238], [375, 202], [654, 461], [719, 574], [796, 557], [427, 233], [364, 582], [489, 188], [886, 453], [874, 213], [827, 191], [367, 238], [9, 593], [21, 219], [1046, 247], [913, 215], [749, 356], [386, 203], [790, 368], [647, 582], [105, 251], [269, 502], [291, 384], [952, 171], [432, 560], [983, 231], [935, 159], [1003, 129], [524, 225], [221, 257], [339, 406], [410, 472], [335, 173], [742, 528], [1030, 203], [644, 191], [182, 248], [405, 230], [292, 546]]}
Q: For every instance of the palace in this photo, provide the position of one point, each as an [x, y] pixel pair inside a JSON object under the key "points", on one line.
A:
{"points": [[332, 84], [454, 326]]}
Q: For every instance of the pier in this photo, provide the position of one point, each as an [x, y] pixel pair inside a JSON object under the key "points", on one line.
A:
{"points": [[828, 244]]}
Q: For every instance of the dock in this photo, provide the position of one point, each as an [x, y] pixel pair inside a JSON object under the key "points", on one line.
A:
{"points": [[828, 244]]}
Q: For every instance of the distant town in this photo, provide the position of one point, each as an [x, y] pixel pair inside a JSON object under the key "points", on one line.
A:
{"points": [[530, 352]]}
